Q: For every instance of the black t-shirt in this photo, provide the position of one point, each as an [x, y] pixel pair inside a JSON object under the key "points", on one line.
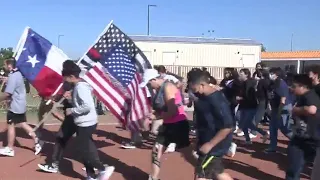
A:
{"points": [[263, 89], [317, 89], [213, 114], [309, 126], [248, 94]]}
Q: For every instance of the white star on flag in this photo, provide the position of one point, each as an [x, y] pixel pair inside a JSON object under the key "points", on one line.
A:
{"points": [[33, 60]]}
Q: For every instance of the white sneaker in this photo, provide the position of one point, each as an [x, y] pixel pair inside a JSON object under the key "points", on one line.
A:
{"points": [[105, 165], [240, 134], [232, 150], [90, 178], [38, 147], [235, 130], [195, 154], [171, 148], [6, 151], [252, 136], [106, 174]]}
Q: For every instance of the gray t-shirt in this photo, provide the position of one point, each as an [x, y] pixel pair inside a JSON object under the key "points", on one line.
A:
{"points": [[16, 87]]}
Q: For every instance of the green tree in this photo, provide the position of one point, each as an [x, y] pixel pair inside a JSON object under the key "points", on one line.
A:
{"points": [[263, 48], [5, 53]]}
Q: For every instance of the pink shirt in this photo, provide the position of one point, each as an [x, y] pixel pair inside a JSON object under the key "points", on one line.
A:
{"points": [[181, 114]]}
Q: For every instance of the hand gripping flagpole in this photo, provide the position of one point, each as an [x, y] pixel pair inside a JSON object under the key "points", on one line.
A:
{"points": [[79, 61], [47, 115]]}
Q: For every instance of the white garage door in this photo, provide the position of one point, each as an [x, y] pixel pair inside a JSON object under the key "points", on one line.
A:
{"points": [[248, 60], [168, 58]]}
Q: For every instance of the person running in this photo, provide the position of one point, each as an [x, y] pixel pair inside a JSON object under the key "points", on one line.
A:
{"points": [[214, 128], [85, 118], [67, 129], [248, 105], [305, 140], [16, 116], [175, 127], [281, 106]]}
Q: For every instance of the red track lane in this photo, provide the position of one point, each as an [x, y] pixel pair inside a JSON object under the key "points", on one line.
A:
{"points": [[249, 163]]}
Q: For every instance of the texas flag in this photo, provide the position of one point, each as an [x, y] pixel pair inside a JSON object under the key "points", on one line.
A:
{"points": [[40, 62]]}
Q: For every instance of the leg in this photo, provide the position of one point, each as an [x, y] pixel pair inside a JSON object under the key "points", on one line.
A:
{"points": [[157, 152], [155, 126], [43, 109], [210, 167], [245, 115], [11, 135], [89, 153], [273, 128], [67, 129], [296, 161], [316, 166]]}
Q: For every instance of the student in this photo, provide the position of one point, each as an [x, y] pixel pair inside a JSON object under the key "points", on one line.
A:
{"points": [[314, 74], [16, 116], [214, 127], [231, 87], [67, 129], [305, 139], [281, 109], [248, 105], [85, 117], [175, 128]]}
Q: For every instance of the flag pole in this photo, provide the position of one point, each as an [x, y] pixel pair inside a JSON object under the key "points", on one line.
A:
{"points": [[21, 41], [79, 61]]}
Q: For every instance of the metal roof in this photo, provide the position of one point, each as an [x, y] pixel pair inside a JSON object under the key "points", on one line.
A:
{"points": [[194, 40]]}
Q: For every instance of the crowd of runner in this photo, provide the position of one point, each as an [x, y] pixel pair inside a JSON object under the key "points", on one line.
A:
{"points": [[238, 105]]}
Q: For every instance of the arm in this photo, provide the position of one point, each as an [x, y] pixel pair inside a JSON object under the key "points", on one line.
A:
{"points": [[170, 93], [11, 85], [58, 116], [309, 109], [84, 95]]}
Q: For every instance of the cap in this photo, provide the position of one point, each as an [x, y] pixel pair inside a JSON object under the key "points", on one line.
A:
{"points": [[148, 75]]}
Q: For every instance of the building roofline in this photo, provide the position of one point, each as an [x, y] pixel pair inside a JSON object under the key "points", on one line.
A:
{"points": [[194, 40]]}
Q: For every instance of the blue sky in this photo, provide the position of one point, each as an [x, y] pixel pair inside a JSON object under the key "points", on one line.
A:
{"points": [[80, 21]]}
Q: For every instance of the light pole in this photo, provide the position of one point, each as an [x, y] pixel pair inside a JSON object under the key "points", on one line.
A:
{"points": [[149, 5], [291, 42], [210, 32], [60, 35]]}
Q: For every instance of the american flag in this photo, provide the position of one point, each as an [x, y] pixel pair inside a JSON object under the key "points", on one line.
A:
{"points": [[115, 65]]}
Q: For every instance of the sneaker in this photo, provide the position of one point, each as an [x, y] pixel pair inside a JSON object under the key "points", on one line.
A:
{"points": [[265, 138], [90, 178], [105, 165], [195, 154], [49, 168], [105, 175], [193, 132], [171, 148], [150, 178], [232, 150], [236, 130], [269, 150], [252, 136], [129, 145], [6, 151], [240, 134], [38, 147]]}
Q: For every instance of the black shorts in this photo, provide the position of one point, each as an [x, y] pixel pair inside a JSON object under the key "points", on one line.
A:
{"points": [[13, 118], [208, 167], [174, 133]]}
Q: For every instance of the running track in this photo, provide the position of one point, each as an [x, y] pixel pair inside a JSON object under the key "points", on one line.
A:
{"points": [[249, 162]]}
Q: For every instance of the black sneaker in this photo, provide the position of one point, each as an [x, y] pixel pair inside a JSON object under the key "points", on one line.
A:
{"points": [[269, 150], [49, 168]]}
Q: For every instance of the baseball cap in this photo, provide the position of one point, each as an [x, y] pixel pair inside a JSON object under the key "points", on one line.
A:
{"points": [[148, 75]]}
